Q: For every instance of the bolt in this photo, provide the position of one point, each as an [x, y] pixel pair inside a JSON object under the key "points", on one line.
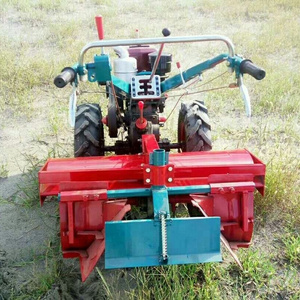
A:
{"points": [[148, 180], [170, 179], [221, 190], [148, 170], [232, 190], [170, 169]]}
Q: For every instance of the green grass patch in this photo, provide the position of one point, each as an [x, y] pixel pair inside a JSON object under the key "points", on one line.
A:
{"points": [[278, 92], [50, 5], [21, 77], [207, 281], [20, 6], [3, 170], [28, 189], [27, 193], [282, 181], [177, 282], [291, 242], [258, 269]]}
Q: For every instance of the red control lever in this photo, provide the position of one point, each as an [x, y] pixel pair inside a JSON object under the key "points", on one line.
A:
{"points": [[141, 122], [99, 25]]}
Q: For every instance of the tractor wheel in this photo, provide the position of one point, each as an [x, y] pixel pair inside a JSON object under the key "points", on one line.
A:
{"points": [[88, 132], [194, 127], [194, 134]]}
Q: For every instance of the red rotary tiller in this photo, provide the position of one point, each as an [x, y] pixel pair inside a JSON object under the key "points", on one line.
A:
{"points": [[96, 192]]}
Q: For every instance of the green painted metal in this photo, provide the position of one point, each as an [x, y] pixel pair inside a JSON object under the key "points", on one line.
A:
{"points": [[81, 70], [159, 157], [160, 201], [75, 68], [147, 192], [189, 74], [138, 243], [144, 73], [186, 190], [100, 70], [235, 62], [120, 84], [127, 193]]}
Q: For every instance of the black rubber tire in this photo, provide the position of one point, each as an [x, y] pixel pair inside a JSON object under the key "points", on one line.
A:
{"points": [[194, 127], [194, 134], [88, 131]]}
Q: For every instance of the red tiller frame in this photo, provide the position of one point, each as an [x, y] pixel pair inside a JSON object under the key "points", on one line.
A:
{"points": [[82, 185]]}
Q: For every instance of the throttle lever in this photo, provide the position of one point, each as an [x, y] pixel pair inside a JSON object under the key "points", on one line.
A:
{"points": [[245, 95], [166, 32]]}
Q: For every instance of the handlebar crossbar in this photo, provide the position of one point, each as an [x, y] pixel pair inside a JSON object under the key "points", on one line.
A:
{"points": [[164, 40]]}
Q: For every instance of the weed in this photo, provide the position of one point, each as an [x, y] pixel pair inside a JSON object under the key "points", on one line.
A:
{"points": [[278, 92], [3, 170], [106, 287], [17, 4], [49, 5], [64, 34], [20, 78], [291, 288], [177, 282], [28, 189], [256, 276], [291, 242], [281, 186]]}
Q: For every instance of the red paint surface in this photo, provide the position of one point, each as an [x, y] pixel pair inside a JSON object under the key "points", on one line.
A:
{"points": [[83, 184], [99, 24]]}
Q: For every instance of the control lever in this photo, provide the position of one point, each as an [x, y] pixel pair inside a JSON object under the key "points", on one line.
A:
{"points": [[166, 32], [99, 24], [141, 122], [245, 95]]}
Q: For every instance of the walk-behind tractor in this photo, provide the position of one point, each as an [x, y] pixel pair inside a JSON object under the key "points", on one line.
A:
{"points": [[151, 174]]}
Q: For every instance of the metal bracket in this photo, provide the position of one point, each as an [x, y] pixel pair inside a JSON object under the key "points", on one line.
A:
{"points": [[142, 88], [154, 175]]}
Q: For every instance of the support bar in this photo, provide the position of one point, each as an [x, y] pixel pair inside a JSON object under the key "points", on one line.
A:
{"points": [[147, 192]]}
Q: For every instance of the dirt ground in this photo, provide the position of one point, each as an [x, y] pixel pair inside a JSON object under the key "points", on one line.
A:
{"points": [[28, 234]]}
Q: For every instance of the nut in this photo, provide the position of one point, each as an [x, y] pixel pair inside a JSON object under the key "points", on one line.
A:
{"points": [[148, 180], [148, 170]]}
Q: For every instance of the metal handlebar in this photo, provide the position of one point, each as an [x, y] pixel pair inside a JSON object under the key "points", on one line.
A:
{"points": [[66, 76], [247, 67], [164, 40]]}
